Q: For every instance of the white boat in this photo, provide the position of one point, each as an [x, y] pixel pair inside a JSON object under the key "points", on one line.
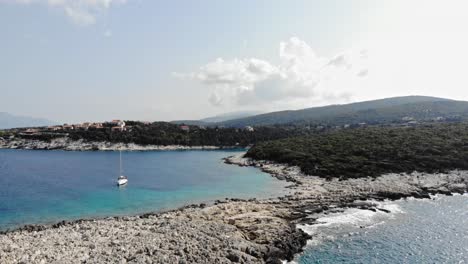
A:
{"points": [[121, 180]]}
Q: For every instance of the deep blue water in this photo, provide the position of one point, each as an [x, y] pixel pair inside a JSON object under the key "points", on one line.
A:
{"points": [[418, 231], [48, 186]]}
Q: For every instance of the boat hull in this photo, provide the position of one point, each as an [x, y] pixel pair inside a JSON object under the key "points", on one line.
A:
{"points": [[122, 182]]}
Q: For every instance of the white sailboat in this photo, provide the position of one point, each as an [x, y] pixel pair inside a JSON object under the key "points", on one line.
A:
{"points": [[122, 180]]}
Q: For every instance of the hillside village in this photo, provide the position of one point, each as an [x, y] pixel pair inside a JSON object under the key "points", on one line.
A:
{"points": [[399, 111], [119, 126], [392, 112], [114, 125]]}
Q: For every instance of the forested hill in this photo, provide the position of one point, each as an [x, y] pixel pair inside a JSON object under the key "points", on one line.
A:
{"points": [[214, 120], [384, 111], [372, 151], [164, 133]]}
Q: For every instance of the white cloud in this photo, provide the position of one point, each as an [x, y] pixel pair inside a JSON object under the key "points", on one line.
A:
{"points": [[215, 99], [236, 72], [80, 17], [301, 75], [108, 33], [363, 73], [81, 12]]}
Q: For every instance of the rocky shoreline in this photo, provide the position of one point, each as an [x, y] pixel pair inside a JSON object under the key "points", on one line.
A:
{"points": [[229, 231], [67, 144]]}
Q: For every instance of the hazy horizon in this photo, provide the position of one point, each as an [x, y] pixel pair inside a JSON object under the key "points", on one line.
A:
{"points": [[223, 116], [74, 61]]}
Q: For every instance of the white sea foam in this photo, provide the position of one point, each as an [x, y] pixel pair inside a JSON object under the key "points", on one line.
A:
{"points": [[414, 228], [350, 218], [390, 206], [327, 225], [376, 224], [286, 262], [354, 216], [436, 196]]}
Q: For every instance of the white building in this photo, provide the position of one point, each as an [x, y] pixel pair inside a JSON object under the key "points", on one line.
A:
{"points": [[249, 128]]}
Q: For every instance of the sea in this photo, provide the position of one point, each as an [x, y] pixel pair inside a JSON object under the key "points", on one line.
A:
{"points": [[415, 231], [40, 187]]}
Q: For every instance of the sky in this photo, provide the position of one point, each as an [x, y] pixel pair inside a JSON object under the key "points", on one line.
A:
{"points": [[96, 60]]}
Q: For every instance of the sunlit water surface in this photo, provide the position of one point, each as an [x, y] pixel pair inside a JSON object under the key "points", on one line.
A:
{"points": [[417, 231], [49, 186]]}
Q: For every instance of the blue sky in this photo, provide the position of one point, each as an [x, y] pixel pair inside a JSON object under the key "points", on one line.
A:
{"points": [[79, 60]]}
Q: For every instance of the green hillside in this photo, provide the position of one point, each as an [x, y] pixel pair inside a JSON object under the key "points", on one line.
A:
{"points": [[164, 133], [398, 109], [372, 151]]}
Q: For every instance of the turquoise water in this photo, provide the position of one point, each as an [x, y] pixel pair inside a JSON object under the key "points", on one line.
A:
{"points": [[417, 231], [49, 186]]}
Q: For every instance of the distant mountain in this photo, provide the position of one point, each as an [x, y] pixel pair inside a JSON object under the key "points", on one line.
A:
{"points": [[397, 109], [211, 121], [13, 121], [192, 123], [230, 116]]}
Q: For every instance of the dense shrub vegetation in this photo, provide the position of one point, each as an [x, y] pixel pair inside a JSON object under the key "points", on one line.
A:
{"points": [[372, 151], [163, 133]]}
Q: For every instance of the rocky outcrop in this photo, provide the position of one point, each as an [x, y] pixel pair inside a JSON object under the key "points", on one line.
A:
{"points": [[229, 231], [232, 232], [65, 143]]}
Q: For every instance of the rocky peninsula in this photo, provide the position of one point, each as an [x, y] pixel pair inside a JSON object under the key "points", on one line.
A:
{"points": [[228, 231], [65, 143]]}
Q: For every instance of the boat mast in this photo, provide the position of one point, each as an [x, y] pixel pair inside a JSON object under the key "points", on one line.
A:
{"points": [[120, 153]]}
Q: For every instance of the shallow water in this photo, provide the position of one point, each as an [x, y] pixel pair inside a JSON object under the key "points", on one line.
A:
{"points": [[48, 186], [417, 231]]}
